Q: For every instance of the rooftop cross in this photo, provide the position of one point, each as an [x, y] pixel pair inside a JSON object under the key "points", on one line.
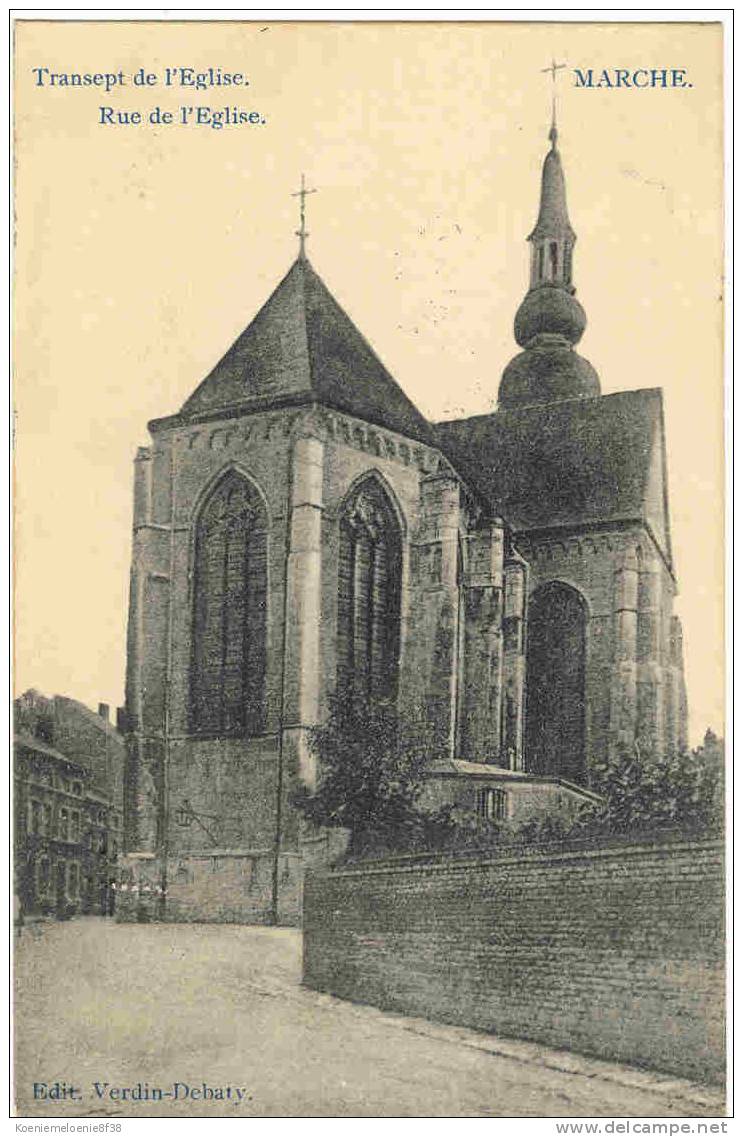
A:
{"points": [[554, 68], [302, 231]]}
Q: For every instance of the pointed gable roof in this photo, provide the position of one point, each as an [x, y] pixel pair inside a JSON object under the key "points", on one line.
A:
{"points": [[303, 348]]}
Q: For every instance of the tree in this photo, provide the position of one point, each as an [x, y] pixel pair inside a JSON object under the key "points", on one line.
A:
{"points": [[677, 790], [642, 793], [371, 764], [711, 755], [371, 761]]}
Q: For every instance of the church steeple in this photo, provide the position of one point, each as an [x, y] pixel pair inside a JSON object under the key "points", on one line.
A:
{"points": [[550, 320], [552, 238]]}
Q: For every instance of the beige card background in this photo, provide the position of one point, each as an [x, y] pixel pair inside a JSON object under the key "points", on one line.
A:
{"points": [[142, 252]]}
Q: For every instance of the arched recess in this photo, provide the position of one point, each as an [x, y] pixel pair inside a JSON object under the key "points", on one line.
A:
{"points": [[369, 592], [555, 732], [228, 660]]}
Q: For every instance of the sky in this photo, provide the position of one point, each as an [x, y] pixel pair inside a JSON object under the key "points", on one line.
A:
{"points": [[142, 250]]}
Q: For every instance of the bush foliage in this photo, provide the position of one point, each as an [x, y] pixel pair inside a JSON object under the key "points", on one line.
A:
{"points": [[677, 791], [371, 763], [644, 794]]}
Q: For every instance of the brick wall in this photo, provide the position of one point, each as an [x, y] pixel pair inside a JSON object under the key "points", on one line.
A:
{"points": [[613, 950]]}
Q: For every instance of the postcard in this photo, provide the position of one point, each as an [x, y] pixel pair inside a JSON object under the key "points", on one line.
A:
{"points": [[369, 568]]}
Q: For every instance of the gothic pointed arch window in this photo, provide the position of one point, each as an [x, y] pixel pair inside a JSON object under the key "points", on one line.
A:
{"points": [[369, 582], [228, 670], [555, 734]]}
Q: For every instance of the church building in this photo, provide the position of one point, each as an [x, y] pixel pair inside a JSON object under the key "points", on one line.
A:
{"points": [[300, 526]]}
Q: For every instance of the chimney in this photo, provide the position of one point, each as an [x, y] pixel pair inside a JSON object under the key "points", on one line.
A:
{"points": [[103, 710]]}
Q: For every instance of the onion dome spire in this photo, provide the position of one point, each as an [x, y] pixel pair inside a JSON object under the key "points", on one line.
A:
{"points": [[550, 320]]}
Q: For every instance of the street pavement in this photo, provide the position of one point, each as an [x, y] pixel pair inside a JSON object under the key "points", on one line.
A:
{"points": [[196, 1010]]}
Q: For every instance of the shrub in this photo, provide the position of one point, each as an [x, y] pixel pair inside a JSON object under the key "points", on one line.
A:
{"points": [[642, 792], [371, 761]]}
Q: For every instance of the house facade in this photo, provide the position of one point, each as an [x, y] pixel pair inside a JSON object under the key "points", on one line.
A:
{"points": [[68, 805]]}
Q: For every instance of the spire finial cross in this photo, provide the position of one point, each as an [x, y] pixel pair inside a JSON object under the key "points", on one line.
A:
{"points": [[554, 68], [302, 232]]}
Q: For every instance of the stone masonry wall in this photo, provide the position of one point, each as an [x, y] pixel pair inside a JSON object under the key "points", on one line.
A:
{"points": [[213, 886], [211, 803], [613, 950], [627, 648]]}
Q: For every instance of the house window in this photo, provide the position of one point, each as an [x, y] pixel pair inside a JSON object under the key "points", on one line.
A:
{"points": [[77, 788], [62, 828], [492, 804], [73, 880], [43, 875], [46, 818], [369, 580], [74, 826], [34, 821], [228, 673]]}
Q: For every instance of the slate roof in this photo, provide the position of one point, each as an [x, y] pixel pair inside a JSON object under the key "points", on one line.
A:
{"points": [[568, 463], [28, 742], [302, 347], [575, 462], [553, 219], [92, 717], [460, 768]]}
